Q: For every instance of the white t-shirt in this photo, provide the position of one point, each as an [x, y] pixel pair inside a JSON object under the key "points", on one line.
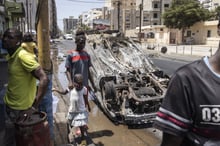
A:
{"points": [[77, 103]]}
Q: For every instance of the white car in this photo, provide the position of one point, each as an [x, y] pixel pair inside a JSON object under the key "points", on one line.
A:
{"points": [[68, 36]]}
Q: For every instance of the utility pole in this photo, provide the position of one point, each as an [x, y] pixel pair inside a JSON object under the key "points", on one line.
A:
{"points": [[141, 9], [43, 34], [30, 18], [27, 15], [119, 3], [161, 9]]}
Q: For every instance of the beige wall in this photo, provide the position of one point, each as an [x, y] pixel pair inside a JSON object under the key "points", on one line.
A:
{"points": [[162, 34], [200, 31], [174, 36]]}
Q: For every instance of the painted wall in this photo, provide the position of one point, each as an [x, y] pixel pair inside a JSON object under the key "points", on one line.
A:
{"points": [[203, 33]]}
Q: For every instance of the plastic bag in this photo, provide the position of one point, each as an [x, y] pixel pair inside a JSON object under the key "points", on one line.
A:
{"points": [[55, 102]]}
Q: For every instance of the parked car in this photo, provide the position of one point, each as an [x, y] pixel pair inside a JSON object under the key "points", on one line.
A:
{"points": [[68, 37], [132, 87]]}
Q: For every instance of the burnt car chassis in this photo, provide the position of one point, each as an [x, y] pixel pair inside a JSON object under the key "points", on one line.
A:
{"points": [[132, 88]]}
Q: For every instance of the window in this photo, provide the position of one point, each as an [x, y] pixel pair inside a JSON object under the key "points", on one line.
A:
{"points": [[208, 33], [166, 5], [155, 15], [150, 35], [188, 33], [155, 5], [145, 19]]}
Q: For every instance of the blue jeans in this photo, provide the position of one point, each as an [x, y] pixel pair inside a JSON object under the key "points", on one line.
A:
{"points": [[2, 119], [46, 105]]}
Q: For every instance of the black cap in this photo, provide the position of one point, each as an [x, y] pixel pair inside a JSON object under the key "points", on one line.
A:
{"points": [[27, 37], [80, 32]]}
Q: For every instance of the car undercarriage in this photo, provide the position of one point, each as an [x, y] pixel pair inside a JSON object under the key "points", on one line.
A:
{"points": [[131, 87]]}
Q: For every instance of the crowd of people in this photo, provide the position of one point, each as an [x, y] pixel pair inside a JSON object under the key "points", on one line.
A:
{"points": [[29, 87], [189, 114]]}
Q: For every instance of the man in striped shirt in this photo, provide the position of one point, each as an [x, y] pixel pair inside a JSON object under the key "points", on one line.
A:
{"points": [[79, 62]]}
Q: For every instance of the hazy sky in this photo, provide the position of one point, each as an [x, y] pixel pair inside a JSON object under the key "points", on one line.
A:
{"points": [[66, 8]]}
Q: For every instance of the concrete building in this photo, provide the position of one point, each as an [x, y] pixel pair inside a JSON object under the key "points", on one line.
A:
{"points": [[123, 14], [2, 17], [153, 10], [29, 21], [202, 33], [127, 13], [14, 14], [210, 4], [70, 24], [30, 7], [91, 15]]}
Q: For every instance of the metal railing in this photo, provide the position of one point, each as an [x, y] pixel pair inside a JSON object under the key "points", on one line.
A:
{"points": [[197, 50]]}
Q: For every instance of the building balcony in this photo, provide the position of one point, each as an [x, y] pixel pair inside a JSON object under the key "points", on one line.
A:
{"points": [[15, 8], [155, 19], [156, 9], [206, 6], [206, 1]]}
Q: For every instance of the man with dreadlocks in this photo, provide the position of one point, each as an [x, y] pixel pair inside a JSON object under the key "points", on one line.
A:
{"points": [[190, 112]]}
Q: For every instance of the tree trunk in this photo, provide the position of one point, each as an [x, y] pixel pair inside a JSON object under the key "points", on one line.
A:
{"points": [[183, 38]]}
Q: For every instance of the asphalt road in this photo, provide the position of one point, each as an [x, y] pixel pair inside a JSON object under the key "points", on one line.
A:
{"points": [[168, 65], [101, 130]]}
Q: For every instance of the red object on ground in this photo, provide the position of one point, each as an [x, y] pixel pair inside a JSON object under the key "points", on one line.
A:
{"points": [[33, 133]]}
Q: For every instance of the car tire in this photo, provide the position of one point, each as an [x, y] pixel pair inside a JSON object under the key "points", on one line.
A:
{"points": [[109, 90]]}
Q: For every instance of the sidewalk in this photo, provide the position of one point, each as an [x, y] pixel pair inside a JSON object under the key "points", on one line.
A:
{"points": [[192, 50]]}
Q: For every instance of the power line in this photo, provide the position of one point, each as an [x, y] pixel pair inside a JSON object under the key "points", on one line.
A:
{"points": [[80, 1]]}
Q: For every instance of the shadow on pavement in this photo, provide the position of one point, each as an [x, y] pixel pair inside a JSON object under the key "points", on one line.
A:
{"points": [[100, 133]]}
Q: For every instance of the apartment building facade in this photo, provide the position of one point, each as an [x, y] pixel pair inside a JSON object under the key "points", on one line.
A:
{"points": [[29, 21], [125, 14], [210, 4], [70, 24]]}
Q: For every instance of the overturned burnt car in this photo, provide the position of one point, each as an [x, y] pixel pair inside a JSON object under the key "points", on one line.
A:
{"points": [[131, 87]]}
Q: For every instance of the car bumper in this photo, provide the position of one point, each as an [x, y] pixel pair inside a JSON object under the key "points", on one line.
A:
{"points": [[140, 119]]}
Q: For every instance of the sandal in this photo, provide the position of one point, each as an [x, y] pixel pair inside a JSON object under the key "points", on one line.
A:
{"points": [[83, 143], [78, 131]]}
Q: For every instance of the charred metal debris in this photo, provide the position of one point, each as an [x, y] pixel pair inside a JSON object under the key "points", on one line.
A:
{"points": [[132, 87]]}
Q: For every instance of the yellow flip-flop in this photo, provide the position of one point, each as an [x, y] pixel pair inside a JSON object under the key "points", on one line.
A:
{"points": [[83, 143]]}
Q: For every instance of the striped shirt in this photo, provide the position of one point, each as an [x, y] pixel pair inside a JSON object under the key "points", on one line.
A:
{"points": [[79, 62], [191, 107]]}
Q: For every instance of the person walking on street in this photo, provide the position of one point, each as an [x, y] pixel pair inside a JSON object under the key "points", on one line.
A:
{"points": [[77, 114], [189, 114], [23, 71], [79, 61]]}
